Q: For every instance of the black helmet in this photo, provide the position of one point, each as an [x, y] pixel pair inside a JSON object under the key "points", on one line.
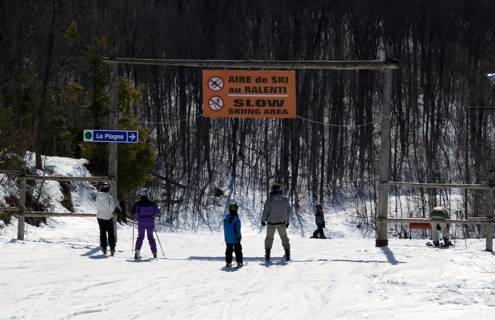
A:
{"points": [[104, 187], [233, 206]]}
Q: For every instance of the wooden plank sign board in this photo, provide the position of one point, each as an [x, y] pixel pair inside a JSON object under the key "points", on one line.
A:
{"points": [[420, 225], [249, 93]]}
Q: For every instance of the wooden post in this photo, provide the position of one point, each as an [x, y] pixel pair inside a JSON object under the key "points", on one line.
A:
{"points": [[382, 188], [113, 154], [22, 206], [489, 227]]}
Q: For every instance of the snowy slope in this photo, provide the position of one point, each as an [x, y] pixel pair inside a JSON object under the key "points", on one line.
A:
{"points": [[58, 273]]}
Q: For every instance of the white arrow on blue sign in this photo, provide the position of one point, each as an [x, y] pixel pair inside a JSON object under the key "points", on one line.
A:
{"points": [[115, 136]]}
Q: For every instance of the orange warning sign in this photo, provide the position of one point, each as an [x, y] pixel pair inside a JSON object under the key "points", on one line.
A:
{"points": [[249, 94]]}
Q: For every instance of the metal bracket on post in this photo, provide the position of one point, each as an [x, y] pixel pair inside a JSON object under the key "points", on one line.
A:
{"points": [[22, 206]]}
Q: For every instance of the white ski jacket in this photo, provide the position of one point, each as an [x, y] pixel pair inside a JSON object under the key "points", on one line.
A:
{"points": [[104, 206]]}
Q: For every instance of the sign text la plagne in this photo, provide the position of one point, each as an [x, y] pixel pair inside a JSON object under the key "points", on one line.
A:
{"points": [[249, 94]]}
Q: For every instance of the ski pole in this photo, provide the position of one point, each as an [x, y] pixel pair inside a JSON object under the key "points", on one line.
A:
{"points": [[132, 243], [160, 243]]}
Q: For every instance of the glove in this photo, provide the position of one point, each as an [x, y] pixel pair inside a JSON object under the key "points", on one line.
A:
{"points": [[287, 225], [263, 223]]}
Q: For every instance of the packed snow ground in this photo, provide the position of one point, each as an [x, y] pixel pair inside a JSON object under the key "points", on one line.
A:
{"points": [[59, 273]]}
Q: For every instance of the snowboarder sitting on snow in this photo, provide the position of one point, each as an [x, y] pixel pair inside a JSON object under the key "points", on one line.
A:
{"points": [[437, 215], [104, 214], [145, 212], [276, 213], [320, 223], [232, 234]]}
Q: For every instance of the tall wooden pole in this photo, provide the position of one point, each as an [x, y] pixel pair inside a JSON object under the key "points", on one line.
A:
{"points": [[382, 190], [22, 206], [113, 154], [489, 227]]}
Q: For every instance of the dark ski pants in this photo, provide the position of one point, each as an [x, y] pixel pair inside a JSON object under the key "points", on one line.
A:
{"points": [[106, 228], [319, 233], [149, 231], [233, 247]]}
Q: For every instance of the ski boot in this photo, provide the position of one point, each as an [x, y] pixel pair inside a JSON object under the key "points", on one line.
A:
{"points": [[104, 250], [267, 255], [228, 265], [287, 254], [137, 255], [436, 243], [446, 242], [239, 265], [112, 253]]}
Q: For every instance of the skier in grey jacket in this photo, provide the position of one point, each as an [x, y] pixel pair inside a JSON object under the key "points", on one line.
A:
{"points": [[276, 213]]}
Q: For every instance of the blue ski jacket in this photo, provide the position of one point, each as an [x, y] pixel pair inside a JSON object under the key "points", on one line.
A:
{"points": [[232, 228]]}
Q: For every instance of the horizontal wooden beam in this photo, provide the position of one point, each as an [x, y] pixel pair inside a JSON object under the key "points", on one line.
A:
{"points": [[63, 178], [262, 64], [428, 220], [20, 175], [442, 185], [42, 214]]}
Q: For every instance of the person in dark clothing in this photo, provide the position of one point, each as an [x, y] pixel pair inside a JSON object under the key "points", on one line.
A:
{"points": [[121, 212], [233, 236], [320, 223], [145, 212]]}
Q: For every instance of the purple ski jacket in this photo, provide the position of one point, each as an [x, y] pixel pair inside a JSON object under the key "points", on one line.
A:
{"points": [[145, 212]]}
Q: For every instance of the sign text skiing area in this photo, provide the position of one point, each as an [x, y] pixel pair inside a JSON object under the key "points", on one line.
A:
{"points": [[249, 94]]}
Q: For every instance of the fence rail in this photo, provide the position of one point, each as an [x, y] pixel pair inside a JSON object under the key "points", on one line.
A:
{"points": [[435, 185], [43, 214], [488, 220], [429, 220], [21, 211]]}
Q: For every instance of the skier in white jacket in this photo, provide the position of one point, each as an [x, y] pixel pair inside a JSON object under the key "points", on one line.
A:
{"points": [[104, 213]]}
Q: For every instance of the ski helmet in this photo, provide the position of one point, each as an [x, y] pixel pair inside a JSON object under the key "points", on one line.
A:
{"points": [[143, 192], [104, 187], [233, 206]]}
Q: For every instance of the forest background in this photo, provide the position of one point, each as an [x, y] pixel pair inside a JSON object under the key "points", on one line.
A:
{"points": [[54, 84]]}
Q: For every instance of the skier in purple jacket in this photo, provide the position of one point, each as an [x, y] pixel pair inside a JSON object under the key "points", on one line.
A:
{"points": [[145, 212]]}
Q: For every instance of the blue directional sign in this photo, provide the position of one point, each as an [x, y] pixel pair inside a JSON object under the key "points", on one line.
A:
{"points": [[113, 136]]}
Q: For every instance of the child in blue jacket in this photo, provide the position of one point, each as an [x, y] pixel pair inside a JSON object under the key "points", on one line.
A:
{"points": [[232, 233]]}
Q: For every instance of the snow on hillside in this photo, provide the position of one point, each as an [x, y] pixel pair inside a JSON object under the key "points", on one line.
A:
{"points": [[82, 193], [57, 272]]}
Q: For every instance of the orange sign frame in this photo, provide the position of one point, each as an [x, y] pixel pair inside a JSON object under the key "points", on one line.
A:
{"points": [[249, 93]]}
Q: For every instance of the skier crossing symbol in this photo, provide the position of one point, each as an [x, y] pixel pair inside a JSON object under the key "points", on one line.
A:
{"points": [[215, 103], [215, 83]]}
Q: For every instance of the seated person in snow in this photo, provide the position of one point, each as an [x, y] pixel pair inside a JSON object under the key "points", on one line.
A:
{"points": [[437, 225]]}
